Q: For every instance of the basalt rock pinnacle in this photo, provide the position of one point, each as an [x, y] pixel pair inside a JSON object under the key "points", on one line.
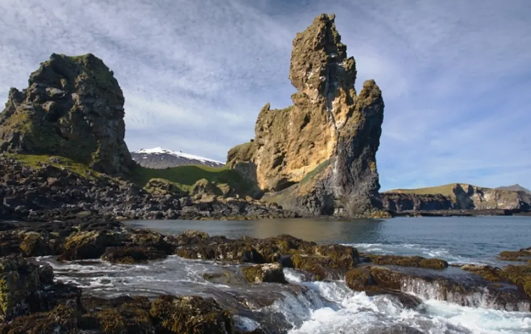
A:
{"points": [[317, 157], [73, 107]]}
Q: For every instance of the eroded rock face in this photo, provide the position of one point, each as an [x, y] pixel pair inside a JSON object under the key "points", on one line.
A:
{"points": [[317, 157], [457, 197], [73, 107]]}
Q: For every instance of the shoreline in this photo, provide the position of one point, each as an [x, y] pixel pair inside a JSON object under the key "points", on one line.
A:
{"points": [[250, 264]]}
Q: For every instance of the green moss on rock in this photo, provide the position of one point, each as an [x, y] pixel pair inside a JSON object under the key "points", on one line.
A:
{"points": [[408, 261]]}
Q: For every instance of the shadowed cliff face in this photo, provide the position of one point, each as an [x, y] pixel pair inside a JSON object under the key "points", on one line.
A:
{"points": [[458, 196], [73, 107], [317, 157]]}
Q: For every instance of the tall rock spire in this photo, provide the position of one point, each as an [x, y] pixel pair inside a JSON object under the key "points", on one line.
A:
{"points": [[317, 157]]}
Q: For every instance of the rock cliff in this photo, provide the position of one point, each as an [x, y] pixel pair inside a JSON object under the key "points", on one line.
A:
{"points": [[73, 107], [317, 157], [456, 196]]}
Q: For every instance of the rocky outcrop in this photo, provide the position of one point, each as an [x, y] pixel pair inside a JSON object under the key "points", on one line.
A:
{"points": [[73, 107], [317, 157], [456, 197], [264, 273], [399, 202], [49, 190], [466, 290]]}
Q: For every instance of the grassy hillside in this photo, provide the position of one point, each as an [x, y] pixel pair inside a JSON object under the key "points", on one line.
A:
{"points": [[185, 176], [34, 161], [445, 190]]}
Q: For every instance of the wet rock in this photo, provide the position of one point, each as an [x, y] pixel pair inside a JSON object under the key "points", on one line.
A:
{"points": [[523, 254], [460, 288], [408, 261], [118, 315], [61, 320], [317, 265], [190, 315], [132, 254], [89, 244], [323, 261], [264, 273], [27, 287]]}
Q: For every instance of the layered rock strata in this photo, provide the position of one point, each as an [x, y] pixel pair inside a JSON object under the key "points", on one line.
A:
{"points": [[456, 197]]}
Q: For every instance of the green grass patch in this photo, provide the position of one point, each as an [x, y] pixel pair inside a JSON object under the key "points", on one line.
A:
{"points": [[185, 177], [317, 170], [35, 161], [446, 190]]}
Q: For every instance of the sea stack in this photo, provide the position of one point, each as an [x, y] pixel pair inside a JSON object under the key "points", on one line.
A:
{"points": [[318, 156], [73, 107]]}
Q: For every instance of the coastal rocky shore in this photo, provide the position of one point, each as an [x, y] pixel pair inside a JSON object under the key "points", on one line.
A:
{"points": [[33, 302], [54, 189]]}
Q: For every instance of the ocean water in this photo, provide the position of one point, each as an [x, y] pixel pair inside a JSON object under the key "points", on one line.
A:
{"points": [[326, 307], [455, 239]]}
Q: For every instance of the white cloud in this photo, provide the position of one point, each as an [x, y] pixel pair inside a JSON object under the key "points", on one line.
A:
{"points": [[455, 74]]}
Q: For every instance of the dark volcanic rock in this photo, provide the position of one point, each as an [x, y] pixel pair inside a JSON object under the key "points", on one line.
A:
{"points": [[462, 289], [47, 192], [265, 273], [410, 202], [26, 287], [132, 254], [317, 157], [73, 107], [458, 198]]}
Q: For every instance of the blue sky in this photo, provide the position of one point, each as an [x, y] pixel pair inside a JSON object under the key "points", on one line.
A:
{"points": [[456, 75]]}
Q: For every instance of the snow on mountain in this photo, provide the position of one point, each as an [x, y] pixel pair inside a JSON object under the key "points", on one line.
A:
{"points": [[159, 157]]}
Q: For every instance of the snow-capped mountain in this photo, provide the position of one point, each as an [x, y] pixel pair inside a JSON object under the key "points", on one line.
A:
{"points": [[161, 158]]}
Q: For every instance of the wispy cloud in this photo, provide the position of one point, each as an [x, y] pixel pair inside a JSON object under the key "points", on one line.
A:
{"points": [[456, 75]]}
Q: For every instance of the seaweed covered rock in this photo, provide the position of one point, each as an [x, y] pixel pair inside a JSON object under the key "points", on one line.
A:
{"points": [[190, 315], [264, 273], [61, 320], [517, 275], [466, 290], [73, 107], [90, 244], [132, 254], [323, 261], [26, 287], [408, 261], [523, 254], [119, 315], [318, 157]]}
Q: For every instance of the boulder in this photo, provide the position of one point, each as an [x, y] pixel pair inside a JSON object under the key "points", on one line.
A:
{"points": [[163, 187], [264, 273], [190, 315], [132, 254], [90, 244], [408, 261], [205, 187], [26, 287]]}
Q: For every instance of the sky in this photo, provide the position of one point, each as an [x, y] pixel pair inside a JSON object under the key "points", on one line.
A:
{"points": [[455, 75]]}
